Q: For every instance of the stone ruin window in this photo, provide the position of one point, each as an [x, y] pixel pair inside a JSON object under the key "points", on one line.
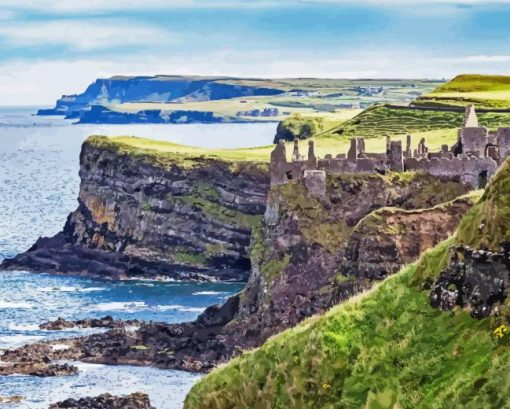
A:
{"points": [[482, 179], [289, 175]]}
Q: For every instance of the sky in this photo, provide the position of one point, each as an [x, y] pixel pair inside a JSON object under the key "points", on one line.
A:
{"points": [[53, 47]]}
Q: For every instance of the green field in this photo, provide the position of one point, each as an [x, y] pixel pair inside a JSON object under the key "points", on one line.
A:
{"points": [[486, 91], [386, 348]]}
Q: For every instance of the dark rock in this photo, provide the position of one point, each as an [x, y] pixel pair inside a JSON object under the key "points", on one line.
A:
{"points": [[106, 401], [105, 322], [477, 279]]}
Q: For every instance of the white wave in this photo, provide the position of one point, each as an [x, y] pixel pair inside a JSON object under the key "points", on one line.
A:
{"points": [[68, 289], [137, 306], [168, 307], [209, 293], [83, 367], [24, 327], [192, 309], [91, 289], [58, 289], [14, 305], [59, 347], [180, 308], [16, 340], [121, 306]]}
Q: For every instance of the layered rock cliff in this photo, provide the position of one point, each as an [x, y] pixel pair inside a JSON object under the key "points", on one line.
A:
{"points": [[144, 213]]}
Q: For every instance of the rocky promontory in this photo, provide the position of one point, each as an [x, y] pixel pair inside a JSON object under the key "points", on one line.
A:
{"points": [[144, 213]]}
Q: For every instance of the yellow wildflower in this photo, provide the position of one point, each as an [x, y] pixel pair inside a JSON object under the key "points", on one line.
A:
{"points": [[501, 331], [326, 386]]}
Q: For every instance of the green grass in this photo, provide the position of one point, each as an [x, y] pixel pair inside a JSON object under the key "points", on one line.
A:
{"points": [[476, 83], [378, 121], [384, 349], [168, 154], [486, 225]]}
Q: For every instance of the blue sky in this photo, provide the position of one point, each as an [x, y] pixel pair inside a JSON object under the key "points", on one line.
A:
{"points": [[52, 47]]}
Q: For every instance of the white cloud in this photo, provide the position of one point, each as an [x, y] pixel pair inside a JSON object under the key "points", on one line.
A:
{"points": [[82, 34], [66, 6], [42, 82]]}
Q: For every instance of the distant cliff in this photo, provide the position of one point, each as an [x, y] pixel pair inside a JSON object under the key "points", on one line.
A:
{"points": [[101, 115], [156, 89]]}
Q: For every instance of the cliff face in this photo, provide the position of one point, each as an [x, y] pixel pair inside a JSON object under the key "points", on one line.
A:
{"points": [[305, 250], [99, 114], [143, 215]]}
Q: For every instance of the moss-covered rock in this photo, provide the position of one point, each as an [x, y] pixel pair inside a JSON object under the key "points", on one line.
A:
{"points": [[298, 127]]}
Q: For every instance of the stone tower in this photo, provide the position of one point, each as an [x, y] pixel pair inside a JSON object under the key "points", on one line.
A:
{"points": [[470, 118]]}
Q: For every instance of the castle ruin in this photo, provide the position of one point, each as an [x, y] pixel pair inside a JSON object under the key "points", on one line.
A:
{"points": [[473, 159]]}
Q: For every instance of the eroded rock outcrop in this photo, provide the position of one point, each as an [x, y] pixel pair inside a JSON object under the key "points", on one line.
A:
{"points": [[299, 252], [142, 213], [389, 238]]}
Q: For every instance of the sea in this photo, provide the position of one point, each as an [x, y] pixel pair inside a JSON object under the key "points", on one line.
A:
{"points": [[39, 182]]}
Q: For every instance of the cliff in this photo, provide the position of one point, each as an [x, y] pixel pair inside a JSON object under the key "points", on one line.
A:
{"points": [[149, 212], [158, 89], [391, 347], [302, 254], [146, 210]]}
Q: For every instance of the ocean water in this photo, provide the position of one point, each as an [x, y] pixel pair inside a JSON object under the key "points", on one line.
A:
{"points": [[38, 188]]}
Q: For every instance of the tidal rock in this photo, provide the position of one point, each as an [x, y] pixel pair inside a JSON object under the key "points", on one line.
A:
{"points": [[41, 369], [105, 322], [106, 401]]}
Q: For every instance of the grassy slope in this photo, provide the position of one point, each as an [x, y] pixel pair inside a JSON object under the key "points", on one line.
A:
{"points": [[378, 121], [486, 91], [384, 349]]}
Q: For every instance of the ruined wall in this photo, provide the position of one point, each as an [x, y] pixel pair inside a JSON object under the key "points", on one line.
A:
{"points": [[468, 169]]}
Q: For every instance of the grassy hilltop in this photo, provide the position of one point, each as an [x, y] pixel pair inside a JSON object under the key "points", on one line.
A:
{"points": [[387, 348], [486, 91]]}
